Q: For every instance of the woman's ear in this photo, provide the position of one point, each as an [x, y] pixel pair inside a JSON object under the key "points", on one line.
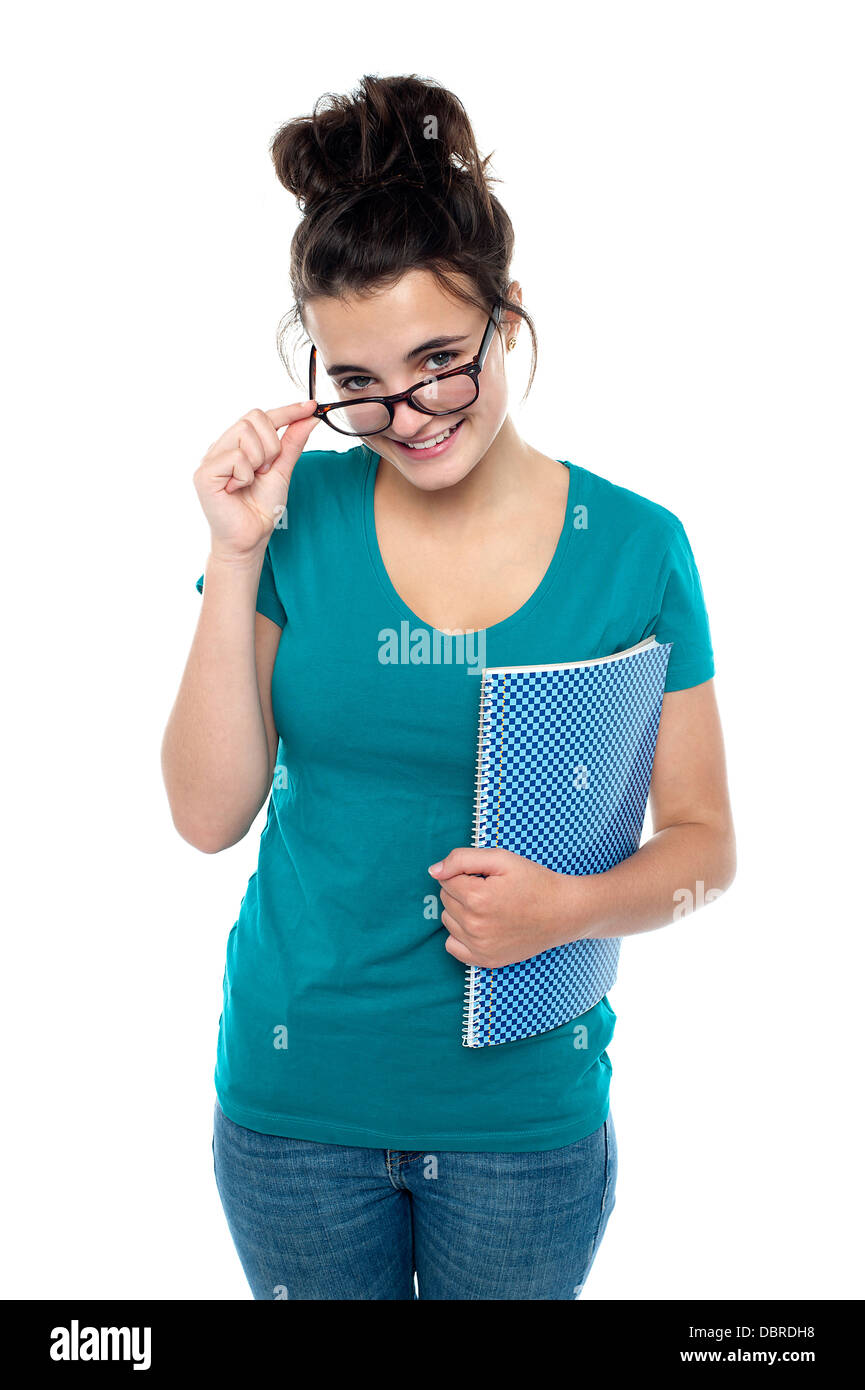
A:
{"points": [[510, 322]]}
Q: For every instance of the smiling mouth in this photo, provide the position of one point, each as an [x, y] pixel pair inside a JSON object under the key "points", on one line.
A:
{"points": [[430, 441]]}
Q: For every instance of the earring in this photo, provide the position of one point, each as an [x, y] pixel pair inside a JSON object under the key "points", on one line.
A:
{"points": [[512, 342]]}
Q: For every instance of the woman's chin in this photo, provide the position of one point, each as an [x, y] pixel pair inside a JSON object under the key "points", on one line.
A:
{"points": [[431, 478]]}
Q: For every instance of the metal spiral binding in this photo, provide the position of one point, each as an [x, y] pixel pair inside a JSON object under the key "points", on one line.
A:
{"points": [[471, 1006]]}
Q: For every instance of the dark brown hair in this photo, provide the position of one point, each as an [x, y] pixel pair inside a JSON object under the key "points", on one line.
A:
{"points": [[389, 179]]}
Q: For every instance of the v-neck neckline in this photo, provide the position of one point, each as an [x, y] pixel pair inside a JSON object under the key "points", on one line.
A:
{"points": [[394, 597]]}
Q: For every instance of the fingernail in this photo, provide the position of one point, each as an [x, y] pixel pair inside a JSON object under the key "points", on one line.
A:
{"points": [[434, 868]]}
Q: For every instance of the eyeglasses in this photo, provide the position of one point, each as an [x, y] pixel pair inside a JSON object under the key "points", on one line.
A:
{"points": [[435, 395]]}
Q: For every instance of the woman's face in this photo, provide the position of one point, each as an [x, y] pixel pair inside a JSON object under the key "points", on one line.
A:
{"points": [[378, 338]]}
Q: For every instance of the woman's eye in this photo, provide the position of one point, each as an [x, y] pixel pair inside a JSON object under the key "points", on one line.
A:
{"points": [[439, 366], [349, 383]]}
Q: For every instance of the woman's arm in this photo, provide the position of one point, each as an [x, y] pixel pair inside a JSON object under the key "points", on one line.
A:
{"points": [[220, 743], [219, 746], [691, 855], [500, 907]]}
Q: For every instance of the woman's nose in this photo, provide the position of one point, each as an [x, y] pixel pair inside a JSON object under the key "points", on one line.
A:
{"points": [[406, 420]]}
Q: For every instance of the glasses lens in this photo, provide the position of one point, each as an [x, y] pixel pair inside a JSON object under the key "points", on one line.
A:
{"points": [[364, 418], [442, 395]]}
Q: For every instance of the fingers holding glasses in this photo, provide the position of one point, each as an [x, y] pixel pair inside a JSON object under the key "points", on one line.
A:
{"points": [[242, 481]]}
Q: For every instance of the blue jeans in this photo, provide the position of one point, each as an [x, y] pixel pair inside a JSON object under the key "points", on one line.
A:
{"points": [[328, 1221]]}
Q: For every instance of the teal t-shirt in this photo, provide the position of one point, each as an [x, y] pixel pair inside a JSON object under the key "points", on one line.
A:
{"points": [[342, 1010]]}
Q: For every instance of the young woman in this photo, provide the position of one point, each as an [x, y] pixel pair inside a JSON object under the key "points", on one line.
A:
{"points": [[357, 1142]]}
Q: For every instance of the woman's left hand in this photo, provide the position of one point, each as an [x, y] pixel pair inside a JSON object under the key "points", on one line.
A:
{"points": [[515, 910]]}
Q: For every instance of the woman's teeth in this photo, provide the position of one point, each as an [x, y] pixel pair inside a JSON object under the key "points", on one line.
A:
{"points": [[439, 438]]}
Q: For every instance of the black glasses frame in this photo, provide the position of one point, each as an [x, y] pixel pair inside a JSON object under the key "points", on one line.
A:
{"points": [[471, 369]]}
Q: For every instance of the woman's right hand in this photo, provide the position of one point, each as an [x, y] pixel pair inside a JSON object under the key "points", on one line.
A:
{"points": [[242, 481]]}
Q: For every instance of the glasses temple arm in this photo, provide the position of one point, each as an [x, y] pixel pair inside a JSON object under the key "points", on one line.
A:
{"points": [[488, 335]]}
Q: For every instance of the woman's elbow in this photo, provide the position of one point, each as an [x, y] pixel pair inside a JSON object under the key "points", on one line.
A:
{"points": [[726, 862], [208, 839]]}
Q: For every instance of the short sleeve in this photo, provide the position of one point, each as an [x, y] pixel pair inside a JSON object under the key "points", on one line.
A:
{"points": [[268, 601], [682, 619]]}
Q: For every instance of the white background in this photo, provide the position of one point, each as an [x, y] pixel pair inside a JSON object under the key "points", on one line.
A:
{"points": [[685, 180]]}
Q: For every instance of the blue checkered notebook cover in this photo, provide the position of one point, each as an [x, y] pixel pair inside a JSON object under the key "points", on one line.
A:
{"points": [[565, 758]]}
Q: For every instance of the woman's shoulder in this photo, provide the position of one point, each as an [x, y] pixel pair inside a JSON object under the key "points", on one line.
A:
{"points": [[623, 509], [325, 483], [323, 472]]}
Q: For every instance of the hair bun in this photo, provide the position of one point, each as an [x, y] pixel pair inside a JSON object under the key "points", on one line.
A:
{"points": [[390, 131]]}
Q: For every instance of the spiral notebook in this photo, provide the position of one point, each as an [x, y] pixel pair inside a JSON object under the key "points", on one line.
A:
{"points": [[565, 757]]}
